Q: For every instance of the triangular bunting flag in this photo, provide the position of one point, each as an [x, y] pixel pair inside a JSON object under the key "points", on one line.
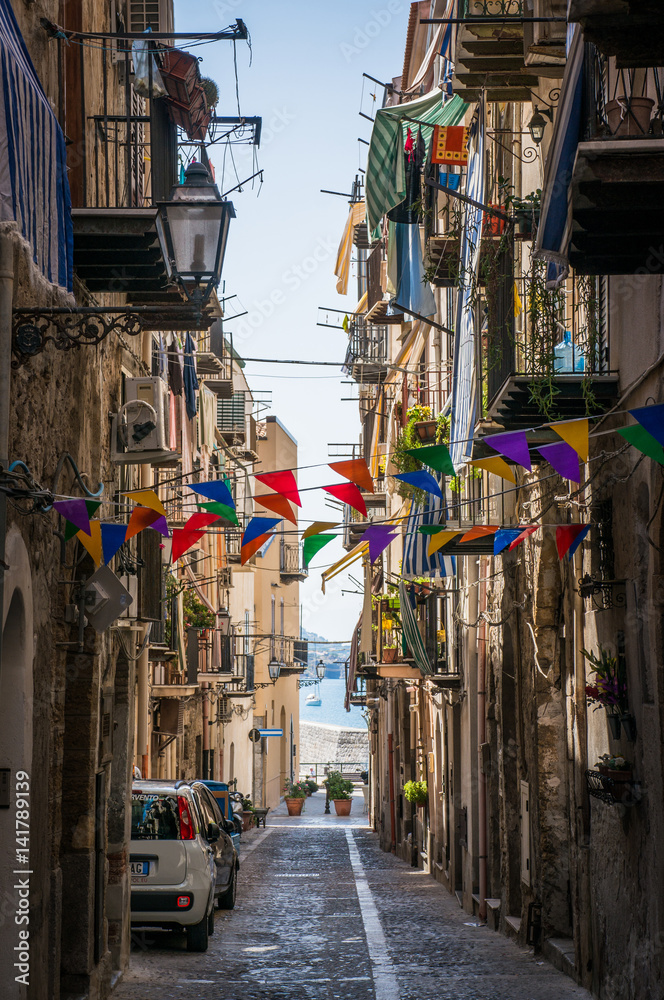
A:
{"points": [[563, 458], [250, 548], [222, 509], [569, 537], [441, 539], [575, 433], [183, 539], [436, 456], [421, 480], [147, 498], [216, 489], [199, 520], [640, 438], [379, 536], [652, 418], [431, 529], [513, 445], [71, 530], [318, 526], [258, 526], [277, 503], [357, 470], [75, 511], [496, 466], [312, 545], [92, 541], [141, 517], [112, 537], [348, 493], [161, 526], [479, 531], [281, 482], [503, 538], [523, 535]]}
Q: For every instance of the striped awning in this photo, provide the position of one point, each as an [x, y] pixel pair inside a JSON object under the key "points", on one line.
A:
{"points": [[416, 562], [34, 190], [385, 180], [411, 630]]}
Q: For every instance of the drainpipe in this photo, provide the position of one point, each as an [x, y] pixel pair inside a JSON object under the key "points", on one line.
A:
{"points": [[143, 664], [481, 738], [6, 296], [393, 817], [206, 731]]}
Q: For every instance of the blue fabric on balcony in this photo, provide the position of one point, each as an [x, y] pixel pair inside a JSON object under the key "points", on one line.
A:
{"points": [[553, 234], [34, 190], [413, 292], [464, 382], [416, 562]]}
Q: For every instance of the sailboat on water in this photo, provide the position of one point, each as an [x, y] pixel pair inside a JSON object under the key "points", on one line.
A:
{"points": [[313, 700]]}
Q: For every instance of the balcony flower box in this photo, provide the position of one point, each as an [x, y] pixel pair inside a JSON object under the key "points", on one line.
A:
{"points": [[179, 71], [426, 430], [193, 117]]}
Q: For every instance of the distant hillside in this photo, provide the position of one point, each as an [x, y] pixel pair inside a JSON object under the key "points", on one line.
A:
{"points": [[333, 655]]}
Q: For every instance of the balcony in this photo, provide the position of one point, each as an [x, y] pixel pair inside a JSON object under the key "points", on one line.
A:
{"points": [[355, 524], [214, 362], [232, 418], [233, 545], [618, 28], [243, 672], [379, 310], [209, 655], [367, 353], [290, 563]]}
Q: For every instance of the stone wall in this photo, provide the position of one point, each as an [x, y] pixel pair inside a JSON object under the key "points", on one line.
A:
{"points": [[323, 744]]}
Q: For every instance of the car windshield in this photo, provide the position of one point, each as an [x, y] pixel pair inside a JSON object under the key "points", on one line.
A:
{"points": [[154, 816]]}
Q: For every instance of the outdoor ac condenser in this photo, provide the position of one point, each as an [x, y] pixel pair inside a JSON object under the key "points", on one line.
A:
{"points": [[144, 415]]}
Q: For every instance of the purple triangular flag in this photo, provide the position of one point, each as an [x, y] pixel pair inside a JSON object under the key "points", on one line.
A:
{"points": [[562, 457], [76, 512], [652, 418], [112, 537], [513, 445], [379, 537], [421, 480], [161, 526]]}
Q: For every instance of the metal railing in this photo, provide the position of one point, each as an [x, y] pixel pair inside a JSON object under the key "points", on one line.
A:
{"points": [[492, 8], [621, 103], [290, 561], [349, 769]]}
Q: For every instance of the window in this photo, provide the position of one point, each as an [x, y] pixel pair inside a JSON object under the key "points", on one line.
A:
{"points": [[154, 816], [154, 14]]}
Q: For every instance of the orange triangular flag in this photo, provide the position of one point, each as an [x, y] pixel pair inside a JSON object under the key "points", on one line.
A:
{"points": [[92, 542], [357, 470], [479, 532], [183, 539], [147, 498], [141, 517], [575, 433], [252, 547], [278, 503]]}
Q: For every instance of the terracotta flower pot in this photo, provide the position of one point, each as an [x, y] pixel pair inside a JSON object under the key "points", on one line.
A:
{"points": [[389, 656], [629, 115], [247, 819], [294, 806], [342, 806]]}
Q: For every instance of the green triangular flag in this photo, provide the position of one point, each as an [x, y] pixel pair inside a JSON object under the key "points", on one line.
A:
{"points": [[71, 529], [639, 437], [432, 529], [221, 509], [312, 545], [436, 456]]}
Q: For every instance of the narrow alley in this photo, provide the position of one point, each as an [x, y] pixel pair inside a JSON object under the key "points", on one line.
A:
{"points": [[322, 912]]}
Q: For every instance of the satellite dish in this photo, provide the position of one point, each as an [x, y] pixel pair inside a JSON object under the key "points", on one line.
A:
{"points": [[106, 599]]}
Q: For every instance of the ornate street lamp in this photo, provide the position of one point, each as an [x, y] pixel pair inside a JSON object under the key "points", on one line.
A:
{"points": [[537, 124], [193, 232], [224, 621], [320, 670], [274, 669]]}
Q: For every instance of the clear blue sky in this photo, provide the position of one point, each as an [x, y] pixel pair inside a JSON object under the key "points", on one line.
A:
{"points": [[305, 81]]}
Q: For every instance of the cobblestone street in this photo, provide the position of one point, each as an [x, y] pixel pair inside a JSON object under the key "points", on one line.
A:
{"points": [[323, 912]]}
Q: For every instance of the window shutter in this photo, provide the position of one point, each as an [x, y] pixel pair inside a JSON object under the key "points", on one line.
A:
{"points": [[154, 14]]}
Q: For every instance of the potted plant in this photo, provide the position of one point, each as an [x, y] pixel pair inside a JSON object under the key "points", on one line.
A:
{"points": [[295, 793], [389, 654], [416, 792], [340, 791], [609, 689], [620, 772], [248, 814], [311, 786], [527, 212]]}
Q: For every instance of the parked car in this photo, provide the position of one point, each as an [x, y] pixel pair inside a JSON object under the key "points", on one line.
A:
{"points": [[227, 802], [172, 858], [225, 855]]}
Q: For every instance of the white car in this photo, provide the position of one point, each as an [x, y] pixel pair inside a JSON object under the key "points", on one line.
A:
{"points": [[173, 871]]}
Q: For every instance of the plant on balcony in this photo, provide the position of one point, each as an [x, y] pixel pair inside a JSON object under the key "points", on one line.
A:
{"points": [[196, 614], [416, 792], [408, 439], [609, 688]]}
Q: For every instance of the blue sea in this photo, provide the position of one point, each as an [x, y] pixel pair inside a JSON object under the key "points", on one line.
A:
{"points": [[331, 710]]}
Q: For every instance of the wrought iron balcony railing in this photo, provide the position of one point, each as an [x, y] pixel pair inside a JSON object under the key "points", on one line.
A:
{"points": [[492, 8]]}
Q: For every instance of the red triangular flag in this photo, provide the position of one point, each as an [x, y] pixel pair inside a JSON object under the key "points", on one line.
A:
{"points": [[524, 534], [357, 470], [281, 482], [183, 539], [348, 493], [252, 547], [566, 535], [141, 517], [279, 504], [199, 520]]}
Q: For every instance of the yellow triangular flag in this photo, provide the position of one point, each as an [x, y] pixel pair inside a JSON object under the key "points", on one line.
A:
{"points": [[92, 542], [575, 433], [317, 527], [497, 466], [442, 538], [147, 498]]}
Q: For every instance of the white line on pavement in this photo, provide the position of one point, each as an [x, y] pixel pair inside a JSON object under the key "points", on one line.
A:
{"points": [[385, 981], [255, 843]]}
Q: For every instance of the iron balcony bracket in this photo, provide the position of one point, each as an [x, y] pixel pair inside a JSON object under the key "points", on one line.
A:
{"points": [[67, 328]]}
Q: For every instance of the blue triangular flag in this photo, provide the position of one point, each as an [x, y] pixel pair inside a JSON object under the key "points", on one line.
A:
{"points": [[421, 480], [217, 490], [652, 418], [577, 541], [259, 526], [503, 538], [112, 537]]}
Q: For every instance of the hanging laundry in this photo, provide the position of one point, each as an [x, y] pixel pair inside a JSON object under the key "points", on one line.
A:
{"points": [[189, 377]]}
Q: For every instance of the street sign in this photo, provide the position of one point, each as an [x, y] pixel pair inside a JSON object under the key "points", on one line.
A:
{"points": [[254, 735], [271, 732]]}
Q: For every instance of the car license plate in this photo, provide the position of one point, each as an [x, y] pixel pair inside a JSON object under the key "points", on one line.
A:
{"points": [[140, 868]]}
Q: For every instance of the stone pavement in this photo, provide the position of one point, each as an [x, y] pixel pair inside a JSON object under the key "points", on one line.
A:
{"points": [[323, 913]]}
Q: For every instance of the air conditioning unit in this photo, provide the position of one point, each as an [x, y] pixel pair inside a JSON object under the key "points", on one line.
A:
{"points": [[143, 423]]}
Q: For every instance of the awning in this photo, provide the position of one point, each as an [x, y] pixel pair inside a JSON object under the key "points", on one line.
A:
{"points": [[344, 563], [411, 630], [385, 180], [553, 234], [342, 267], [34, 190], [416, 562], [352, 665]]}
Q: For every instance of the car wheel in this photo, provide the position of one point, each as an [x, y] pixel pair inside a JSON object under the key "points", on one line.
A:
{"points": [[197, 936], [227, 899], [211, 923]]}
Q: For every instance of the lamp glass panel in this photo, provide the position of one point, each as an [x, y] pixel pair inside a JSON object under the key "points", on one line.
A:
{"points": [[195, 234]]}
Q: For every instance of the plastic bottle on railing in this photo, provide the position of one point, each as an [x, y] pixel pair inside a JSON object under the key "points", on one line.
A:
{"points": [[564, 354]]}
